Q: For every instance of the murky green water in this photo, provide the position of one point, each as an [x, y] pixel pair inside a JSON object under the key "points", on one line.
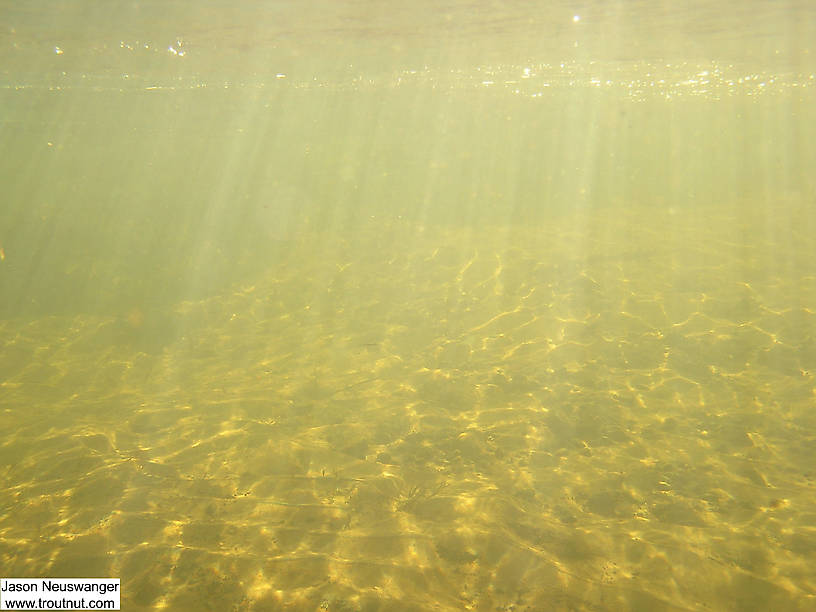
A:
{"points": [[354, 306]]}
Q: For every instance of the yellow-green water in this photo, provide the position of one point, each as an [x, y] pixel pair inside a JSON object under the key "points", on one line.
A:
{"points": [[338, 316]]}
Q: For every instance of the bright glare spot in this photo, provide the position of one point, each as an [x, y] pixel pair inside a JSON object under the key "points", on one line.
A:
{"points": [[576, 18], [57, 50]]}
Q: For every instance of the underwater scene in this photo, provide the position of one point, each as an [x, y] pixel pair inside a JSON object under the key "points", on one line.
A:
{"points": [[353, 306]]}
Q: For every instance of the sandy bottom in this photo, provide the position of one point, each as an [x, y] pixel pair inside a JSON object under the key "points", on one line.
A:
{"points": [[606, 414]]}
